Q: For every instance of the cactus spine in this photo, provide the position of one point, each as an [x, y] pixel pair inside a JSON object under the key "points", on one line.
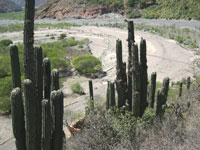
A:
{"points": [[112, 94], [47, 78], [130, 42], [46, 126], [144, 76], [136, 82], [91, 95], [180, 89], [152, 90], [121, 83], [39, 89], [107, 96], [18, 122], [57, 116], [15, 66], [30, 115], [54, 80], [29, 70], [188, 83]]}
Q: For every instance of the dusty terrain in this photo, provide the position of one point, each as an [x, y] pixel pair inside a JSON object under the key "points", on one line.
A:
{"points": [[164, 57]]}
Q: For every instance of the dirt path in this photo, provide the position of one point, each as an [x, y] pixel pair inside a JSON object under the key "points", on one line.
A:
{"points": [[164, 57]]}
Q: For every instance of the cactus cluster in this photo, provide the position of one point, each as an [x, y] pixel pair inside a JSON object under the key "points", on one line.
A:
{"points": [[132, 87], [38, 119]]}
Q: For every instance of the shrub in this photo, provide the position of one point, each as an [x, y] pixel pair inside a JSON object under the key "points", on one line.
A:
{"points": [[77, 88], [4, 45], [62, 36], [87, 64]]}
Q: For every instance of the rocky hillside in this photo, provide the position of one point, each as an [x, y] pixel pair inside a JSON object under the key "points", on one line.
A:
{"points": [[37, 2], [8, 6], [173, 9]]}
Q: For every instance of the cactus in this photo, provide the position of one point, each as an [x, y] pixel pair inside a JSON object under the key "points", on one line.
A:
{"points": [[165, 89], [188, 83], [107, 96], [18, 122], [159, 102], [32, 142], [152, 90], [29, 70], [121, 80], [144, 76], [15, 67], [91, 95], [46, 126], [57, 116], [54, 80], [136, 82], [39, 89], [130, 42], [47, 78], [112, 94], [180, 89]]}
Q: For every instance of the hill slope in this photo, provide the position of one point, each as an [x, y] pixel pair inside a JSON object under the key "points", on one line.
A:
{"points": [[8, 6], [37, 2], [173, 9]]}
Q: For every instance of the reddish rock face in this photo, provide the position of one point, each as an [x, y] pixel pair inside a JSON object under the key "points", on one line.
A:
{"points": [[60, 9]]}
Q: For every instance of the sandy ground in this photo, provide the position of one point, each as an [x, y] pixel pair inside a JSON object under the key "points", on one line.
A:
{"points": [[164, 57]]}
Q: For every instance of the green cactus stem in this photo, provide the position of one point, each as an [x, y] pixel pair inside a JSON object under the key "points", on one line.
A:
{"points": [[57, 116], [112, 94], [159, 102], [30, 116], [165, 89], [15, 67], [29, 70], [55, 80], [136, 82], [180, 89], [47, 78], [18, 122], [131, 40], [46, 126], [188, 83], [121, 80], [91, 95], [152, 90], [107, 96], [144, 76]]}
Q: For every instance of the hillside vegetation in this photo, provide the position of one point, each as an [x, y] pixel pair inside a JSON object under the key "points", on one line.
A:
{"points": [[8, 6]]}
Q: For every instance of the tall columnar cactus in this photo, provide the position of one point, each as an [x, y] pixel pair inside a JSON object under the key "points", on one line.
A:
{"points": [[159, 102], [130, 42], [180, 89], [152, 90], [30, 116], [188, 83], [39, 89], [57, 116], [29, 70], [55, 80], [18, 122], [144, 76], [121, 80], [15, 66], [136, 82], [91, 95], [107, 96], [47, 78], [46, 126], [165, 89], [112, 94]]}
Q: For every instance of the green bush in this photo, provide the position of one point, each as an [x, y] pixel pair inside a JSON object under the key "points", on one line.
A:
{"points": [[4, 45], [87, 64], [62, 36], [77, 88]]}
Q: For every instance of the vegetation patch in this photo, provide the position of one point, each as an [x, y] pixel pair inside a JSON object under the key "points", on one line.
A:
{"points": [[77, 88], [12, 16], [87, 64]]}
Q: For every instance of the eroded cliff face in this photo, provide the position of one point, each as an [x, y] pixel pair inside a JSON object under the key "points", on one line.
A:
{"points": [[59, 9]]}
